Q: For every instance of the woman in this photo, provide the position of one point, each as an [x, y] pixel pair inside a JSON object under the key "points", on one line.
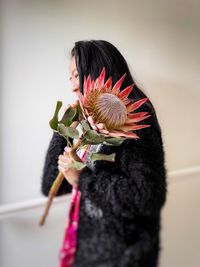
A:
{"points": [[120, 205]]}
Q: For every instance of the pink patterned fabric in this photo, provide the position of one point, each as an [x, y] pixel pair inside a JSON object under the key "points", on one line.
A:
{"points": [[68, 250]]}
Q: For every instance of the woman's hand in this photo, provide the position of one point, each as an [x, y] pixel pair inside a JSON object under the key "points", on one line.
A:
{"points": [[64, 161], [73, 105], [100, 127]]}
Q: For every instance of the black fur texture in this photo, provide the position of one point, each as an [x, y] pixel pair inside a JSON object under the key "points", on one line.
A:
{"points": [[121, 202]]}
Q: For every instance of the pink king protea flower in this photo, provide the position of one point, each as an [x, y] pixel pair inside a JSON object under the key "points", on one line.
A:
{"points": [[110, 107]]}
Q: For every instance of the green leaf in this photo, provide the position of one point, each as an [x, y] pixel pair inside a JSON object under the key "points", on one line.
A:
{"points": [[54, 121], [85, 126], [77, 165], [68, 116], [78, 113], [92, 137], [99, 156], [114, 141], [68, 131]]}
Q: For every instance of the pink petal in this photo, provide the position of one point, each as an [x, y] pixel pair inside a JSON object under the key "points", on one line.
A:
{"points": [[87, 85], [96, 84], [124, 94], [107, 85], [92, 124], [136, 105], [104, 131], [102, 77], [118, 84], [82, 102], [127, 101], [127, 127], [137, 119], [91, 120], [92, 85], [136, 115], [81, 98], [123, 134], [86, 113]]}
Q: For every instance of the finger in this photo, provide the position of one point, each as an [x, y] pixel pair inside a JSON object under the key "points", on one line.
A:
{"points": [[64, 161], [104, 131], [66, 154], [61, 169], [63, 166], [67, 149], [63, 158], [66, 108], [100, 126], [73, 105]]}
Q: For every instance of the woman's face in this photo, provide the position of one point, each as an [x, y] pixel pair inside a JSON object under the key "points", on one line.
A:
{"points": [[74, 76]]}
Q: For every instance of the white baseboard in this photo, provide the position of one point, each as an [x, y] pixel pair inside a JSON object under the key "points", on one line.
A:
{"points": [[8, 210]]}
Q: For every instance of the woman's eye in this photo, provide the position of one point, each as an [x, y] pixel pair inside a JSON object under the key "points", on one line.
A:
{"points": [[75, 76]]}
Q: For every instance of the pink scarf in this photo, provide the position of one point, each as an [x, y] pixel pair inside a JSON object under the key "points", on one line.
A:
{"points": [[68, 250]]}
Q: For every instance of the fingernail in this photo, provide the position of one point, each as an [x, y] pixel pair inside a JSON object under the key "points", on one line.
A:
{"points": [[100, 126]]}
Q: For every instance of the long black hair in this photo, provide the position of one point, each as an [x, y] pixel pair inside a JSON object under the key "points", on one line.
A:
{"points": [[91, 56]]}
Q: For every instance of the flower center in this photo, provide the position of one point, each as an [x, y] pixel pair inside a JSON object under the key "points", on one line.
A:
{"points": [[110, 110]]}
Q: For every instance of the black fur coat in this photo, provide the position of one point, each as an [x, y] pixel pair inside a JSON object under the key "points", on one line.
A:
{"points": [[119, 221]]}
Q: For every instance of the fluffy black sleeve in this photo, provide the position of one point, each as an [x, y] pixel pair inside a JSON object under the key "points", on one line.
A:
{"points": [[135, 184], [50, 169]]}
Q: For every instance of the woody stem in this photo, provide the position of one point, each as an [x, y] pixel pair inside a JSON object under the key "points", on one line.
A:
{"points": [[58, 181]]}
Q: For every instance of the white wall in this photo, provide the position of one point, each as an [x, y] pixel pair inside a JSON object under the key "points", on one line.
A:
{"points": [[180, 222], [159, 39]]}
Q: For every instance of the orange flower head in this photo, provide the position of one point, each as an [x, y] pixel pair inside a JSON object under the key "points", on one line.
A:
{"points": [[110, 106]]}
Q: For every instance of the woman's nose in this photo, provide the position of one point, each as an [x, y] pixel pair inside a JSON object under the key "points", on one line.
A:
{"points": [[75, 85]]}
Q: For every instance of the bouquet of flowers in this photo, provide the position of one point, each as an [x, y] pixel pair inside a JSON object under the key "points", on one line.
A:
{"points": [[106, 116]]}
